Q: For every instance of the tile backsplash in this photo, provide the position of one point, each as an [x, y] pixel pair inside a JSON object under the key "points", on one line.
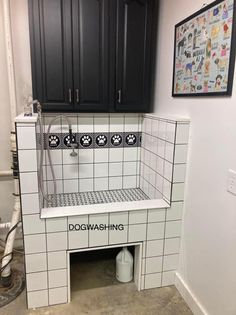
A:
{"points": [[108, 152]]}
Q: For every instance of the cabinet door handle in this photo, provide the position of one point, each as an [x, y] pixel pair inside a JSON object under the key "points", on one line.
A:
{"points": [[77, 95], [70, 95], [119, 96]]}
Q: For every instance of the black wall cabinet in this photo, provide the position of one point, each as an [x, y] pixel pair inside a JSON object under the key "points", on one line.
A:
{"points": [[93, 55]]}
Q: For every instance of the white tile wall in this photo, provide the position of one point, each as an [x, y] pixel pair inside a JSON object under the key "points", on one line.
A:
{"points": [[37, 281], [152, 281], [35, 243], [33, 224], [57, 241], [30, 203], [153, 265], [154, 248], [37, 299], [57, 260]]}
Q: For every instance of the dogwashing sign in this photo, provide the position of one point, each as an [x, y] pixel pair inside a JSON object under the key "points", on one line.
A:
{"points": [[96, 227]]}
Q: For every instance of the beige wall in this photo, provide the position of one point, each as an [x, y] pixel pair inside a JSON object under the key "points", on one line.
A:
{"points": [[208, 257]]}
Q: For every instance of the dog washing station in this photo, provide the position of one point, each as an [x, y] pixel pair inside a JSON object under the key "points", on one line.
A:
{"points": [[119, 181]]}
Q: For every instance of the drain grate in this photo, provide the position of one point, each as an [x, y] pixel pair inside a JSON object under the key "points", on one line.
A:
{"points": [[95, 197]]}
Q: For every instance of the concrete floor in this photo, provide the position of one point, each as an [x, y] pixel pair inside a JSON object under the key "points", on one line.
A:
{"points": [[105, 296]]}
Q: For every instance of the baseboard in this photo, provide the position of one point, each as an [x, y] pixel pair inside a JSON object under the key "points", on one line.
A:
{"points": [[188, 296]]}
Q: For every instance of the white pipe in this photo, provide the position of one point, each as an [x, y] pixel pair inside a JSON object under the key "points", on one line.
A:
{"points": [[13, 108], [5, 225], [10, 241], [10, 61], [6, 173]]}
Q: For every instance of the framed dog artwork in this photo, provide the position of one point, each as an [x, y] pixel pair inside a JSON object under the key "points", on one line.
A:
{"points": [[204, 56]]}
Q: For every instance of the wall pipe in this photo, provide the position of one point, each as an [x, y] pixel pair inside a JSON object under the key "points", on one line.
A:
{"points": [[7, 256]]}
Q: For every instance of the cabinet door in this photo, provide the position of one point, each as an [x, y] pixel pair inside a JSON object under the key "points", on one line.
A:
{"points": [[51, 53], [90, 54], [133, 48]]}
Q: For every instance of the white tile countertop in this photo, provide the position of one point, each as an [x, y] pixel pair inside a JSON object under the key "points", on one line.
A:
{"points": [[57, 212]]}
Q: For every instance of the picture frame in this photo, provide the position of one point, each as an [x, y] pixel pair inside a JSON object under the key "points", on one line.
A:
{"points": [[204, 51]]}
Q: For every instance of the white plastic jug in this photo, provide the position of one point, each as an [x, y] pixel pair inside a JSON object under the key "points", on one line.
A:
{"points": [[124, 266]]}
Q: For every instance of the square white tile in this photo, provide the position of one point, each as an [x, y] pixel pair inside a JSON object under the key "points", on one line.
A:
{"points": [[153, 281], [162, 129], [29, 183], [179, 173], [168, 278], [130, 168], [156, 215], [57, 278], [101, 124], [57, 260], [86, 184], [177, 192], [68, 159], [167, 189], [129, 182], [118, 218], [161, 148], [117, 123], [57, 296], [101, 184], [70, 185], [27, 160], [35, 262], [98, 219], [170, 262], [168, 167], [101, 170], [138, 217], [30, 203], [173, 229], [56, 157], [154, 248], [155, 231], [70, 171], [50, 186], [130, 154], [33, 224], [57, 241], [169, 152], [172, 246], [137, 232], [100, 155], [35, 243], [116, 154], [56, 225], [37, 299], [131, 123], [175, 212], [153, 265], [85, 170], [37, 281], [181, 151], [26, 138], [78, 239], [98, 238], [115, 169], [85, 124], [57, 171], [170, 131], [86, 156], [118, 236], [182, 133], [115, 183]]}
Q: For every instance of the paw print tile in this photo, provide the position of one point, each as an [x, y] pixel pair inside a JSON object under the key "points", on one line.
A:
{"points": [[131, 139], [101, 140], [67, 140], [116, 140], [86, 141], [53, 141]]}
